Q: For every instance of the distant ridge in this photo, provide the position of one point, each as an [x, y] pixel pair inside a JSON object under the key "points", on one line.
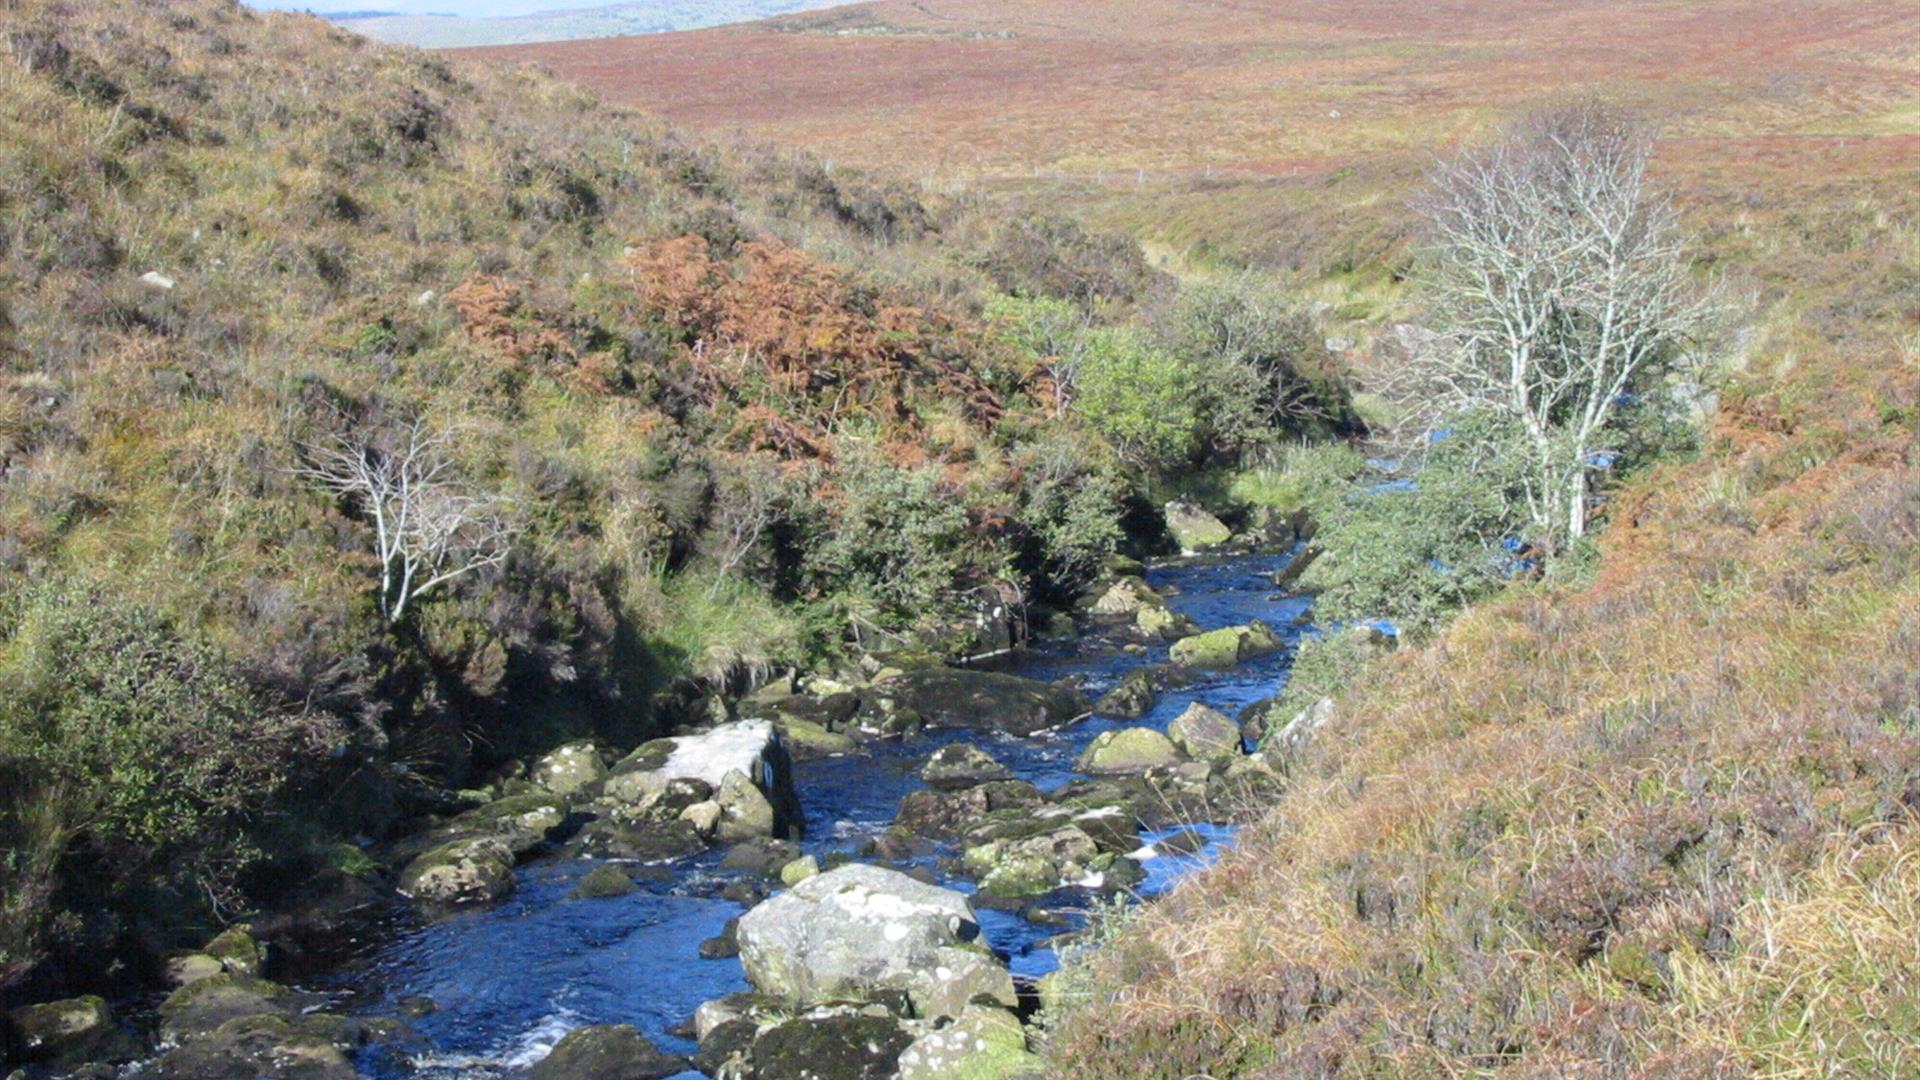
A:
{"points": [[616, 20]]}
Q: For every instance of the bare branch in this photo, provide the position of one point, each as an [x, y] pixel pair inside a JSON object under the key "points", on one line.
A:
{"points": [[427, 530]]}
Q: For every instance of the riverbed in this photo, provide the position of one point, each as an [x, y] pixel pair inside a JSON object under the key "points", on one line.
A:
{"points": [[505, 983]]}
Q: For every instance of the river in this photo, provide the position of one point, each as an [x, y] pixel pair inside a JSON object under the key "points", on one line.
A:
{"points": [[507, 981]]}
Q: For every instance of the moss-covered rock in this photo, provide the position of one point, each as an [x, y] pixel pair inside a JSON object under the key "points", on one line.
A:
{"points": [[982, 1044], [1226, 646], [606, 1052], [1205, 734], [962, 765], [574, 769], [848, 1046], [1163, 622], [67, 1034], [952, 697], [1131, 698], [200, 1008], [1193, 528], [471, 871], [1128, 750], [603, 882], [238, 952], [799, 870]]}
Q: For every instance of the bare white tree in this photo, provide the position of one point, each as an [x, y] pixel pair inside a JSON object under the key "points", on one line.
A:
{"points": [[1559, 287], [427, 529]]}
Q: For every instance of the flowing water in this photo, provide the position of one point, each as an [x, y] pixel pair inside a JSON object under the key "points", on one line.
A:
{"points": [[509, 980]]}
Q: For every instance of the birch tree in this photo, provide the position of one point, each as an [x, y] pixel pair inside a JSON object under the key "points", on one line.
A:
{"points": [[1559, 288], [428, 530]]}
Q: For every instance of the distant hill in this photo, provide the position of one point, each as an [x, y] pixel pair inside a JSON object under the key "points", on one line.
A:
{"points": [[615, 20]]}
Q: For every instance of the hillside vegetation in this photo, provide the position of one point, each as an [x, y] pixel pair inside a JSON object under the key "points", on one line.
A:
{"points": [[667, 417], [1649, 816]]}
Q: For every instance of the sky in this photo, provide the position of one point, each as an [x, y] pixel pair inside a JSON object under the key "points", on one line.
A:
{"points": [[424, 7]]}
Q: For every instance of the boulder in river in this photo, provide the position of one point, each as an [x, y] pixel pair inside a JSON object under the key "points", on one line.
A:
{"points": [[860, 931], [1033, 865], [1205, 734], [944, 815], [984, 1043], [1125, 597], [601, 883], [1193, 528], [840, 1045], [750, 748], [1128, 750], [471, 871], [962, 765], [570, 770], [200, 1008], [65, 1035], [606, 1052], [1131, 698], [277, 1046], [1226, 646], [955, 697]]}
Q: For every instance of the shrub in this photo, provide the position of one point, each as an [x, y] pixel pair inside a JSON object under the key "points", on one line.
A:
{"points": [[132, 754], [1052, 256], [1140, 396], [1072, 506], [1412, 550], [1262, 369], [887, 536]]}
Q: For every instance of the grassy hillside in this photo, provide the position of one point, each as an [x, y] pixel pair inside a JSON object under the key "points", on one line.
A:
{"points": [[727, 410], [568, 24]]}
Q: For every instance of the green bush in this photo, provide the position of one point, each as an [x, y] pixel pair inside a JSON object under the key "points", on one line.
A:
{"points": [[1072, 504], [1312, 477], [1261, 367], [890, 541], [132, 754], [1140, 396], [1413, 550]]}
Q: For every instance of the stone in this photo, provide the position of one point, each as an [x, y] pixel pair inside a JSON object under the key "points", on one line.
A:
{"points": [[1034, 864], [944, 815], [1131, 698], [1205, 734], [858, 931], [158, 280], [472, 871], [799, 870], [761, 855], [750, 748], [643, 841], [1125, 597], [1226, 646], [1163, 622], [311, 1046], [191, 968], [201, 1007], [1301, 730], [1194, 529], [983, 1043], [745, 811], [66, 1034], [1128, 750], [238, 952], [704, 816], [962, 765], [845, 1046], [602, 882], [606, 1052], [570, 770], [523, 822], [982, 700]]}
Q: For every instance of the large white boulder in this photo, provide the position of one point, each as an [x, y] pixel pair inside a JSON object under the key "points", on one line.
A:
{"points": [[860, 930]]}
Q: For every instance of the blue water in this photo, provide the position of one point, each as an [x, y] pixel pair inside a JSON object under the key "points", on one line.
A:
{"points": [[509, 980]]}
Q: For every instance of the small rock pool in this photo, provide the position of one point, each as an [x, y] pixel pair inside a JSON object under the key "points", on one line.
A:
{"points": [[508, 981]]}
